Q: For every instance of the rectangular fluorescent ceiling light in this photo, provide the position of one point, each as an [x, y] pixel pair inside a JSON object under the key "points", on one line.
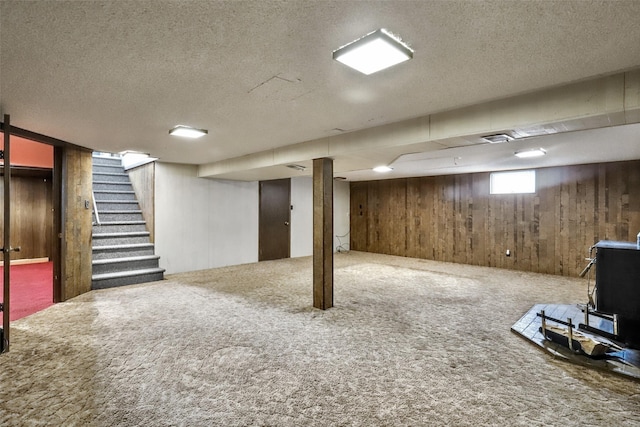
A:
{"points": [[527, 154], [188, 132], [374, 52]]}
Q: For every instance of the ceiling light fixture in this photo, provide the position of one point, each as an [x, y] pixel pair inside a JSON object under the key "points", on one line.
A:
{"points": [[382, 169], [374, 52], [188, 132], [527, 154]]}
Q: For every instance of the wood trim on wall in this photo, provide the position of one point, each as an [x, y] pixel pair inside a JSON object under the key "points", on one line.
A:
{"points": [[453, 218], [143, 183]]}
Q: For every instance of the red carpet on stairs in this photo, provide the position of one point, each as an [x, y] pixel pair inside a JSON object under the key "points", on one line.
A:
{"points": [[31, 288]]}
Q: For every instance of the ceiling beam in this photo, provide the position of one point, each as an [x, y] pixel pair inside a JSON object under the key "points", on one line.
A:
{"points": [[592, 104]]}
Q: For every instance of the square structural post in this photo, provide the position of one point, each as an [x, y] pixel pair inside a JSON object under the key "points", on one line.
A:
{"points": [[323, 233]]}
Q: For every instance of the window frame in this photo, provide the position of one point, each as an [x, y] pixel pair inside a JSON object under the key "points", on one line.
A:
{"points": [[531, 187]]}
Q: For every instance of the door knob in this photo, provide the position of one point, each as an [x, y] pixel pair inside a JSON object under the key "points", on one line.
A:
{"points": [[16, 249], [286, 223]]}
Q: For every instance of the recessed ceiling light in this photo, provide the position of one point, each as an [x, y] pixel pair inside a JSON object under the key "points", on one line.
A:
{"points": [[188, 132], [382, 169], [374, 52], [526, 154]]}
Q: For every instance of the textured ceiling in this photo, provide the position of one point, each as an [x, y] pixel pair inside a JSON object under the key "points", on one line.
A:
{"points": [[117, 75]]}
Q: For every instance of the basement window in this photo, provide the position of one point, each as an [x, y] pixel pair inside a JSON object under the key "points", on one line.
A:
{"points": [[520, 182]]}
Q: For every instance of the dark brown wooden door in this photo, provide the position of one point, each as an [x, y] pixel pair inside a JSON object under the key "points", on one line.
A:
{"points": [[275, 214]]}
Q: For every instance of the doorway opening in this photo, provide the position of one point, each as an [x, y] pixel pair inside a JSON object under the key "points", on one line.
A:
{"points": [[32, 227]]}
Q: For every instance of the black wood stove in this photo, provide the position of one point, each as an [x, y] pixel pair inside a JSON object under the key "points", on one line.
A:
{"points": [[618, 288]]}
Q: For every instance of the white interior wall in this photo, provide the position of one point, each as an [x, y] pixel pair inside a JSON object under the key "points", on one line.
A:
{"points": [[201, 223], [302, 215], [341, 213]]}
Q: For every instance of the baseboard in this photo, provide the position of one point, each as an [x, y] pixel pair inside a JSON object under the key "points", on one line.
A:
{"points": [[26, 261]]}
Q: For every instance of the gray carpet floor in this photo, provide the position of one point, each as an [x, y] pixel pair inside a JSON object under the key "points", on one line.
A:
{"points": [[408, 343]]}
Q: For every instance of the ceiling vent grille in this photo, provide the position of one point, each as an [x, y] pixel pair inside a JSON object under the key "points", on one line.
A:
{"points": [[498, 138], [297, 167]]}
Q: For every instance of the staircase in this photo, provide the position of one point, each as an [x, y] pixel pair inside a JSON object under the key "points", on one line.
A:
{"points": [[122, 251]]}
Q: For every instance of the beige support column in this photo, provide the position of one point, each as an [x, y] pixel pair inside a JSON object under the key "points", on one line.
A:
{"points": [[323, 233]]}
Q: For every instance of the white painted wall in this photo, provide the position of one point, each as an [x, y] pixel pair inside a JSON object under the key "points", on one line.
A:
{"points": [[302, 214], [341, 208], [201, 223]]}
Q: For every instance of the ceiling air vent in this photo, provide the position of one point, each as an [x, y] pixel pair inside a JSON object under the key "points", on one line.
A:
{"points": [[297, 167], [498, 138]]}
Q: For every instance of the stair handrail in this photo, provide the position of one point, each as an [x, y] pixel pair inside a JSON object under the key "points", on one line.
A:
{"points": [[95, 207]]}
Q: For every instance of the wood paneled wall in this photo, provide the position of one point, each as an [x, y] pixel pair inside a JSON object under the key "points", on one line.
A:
{"points": [[76, 222], [143, 182], [454, 218], [31, 213]]}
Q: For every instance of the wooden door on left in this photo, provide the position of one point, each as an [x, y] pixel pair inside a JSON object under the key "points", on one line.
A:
{"points": [[274, 218]]}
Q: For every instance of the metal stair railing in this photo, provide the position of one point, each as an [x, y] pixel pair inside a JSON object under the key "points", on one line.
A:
{"points": [[95, 207]]}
